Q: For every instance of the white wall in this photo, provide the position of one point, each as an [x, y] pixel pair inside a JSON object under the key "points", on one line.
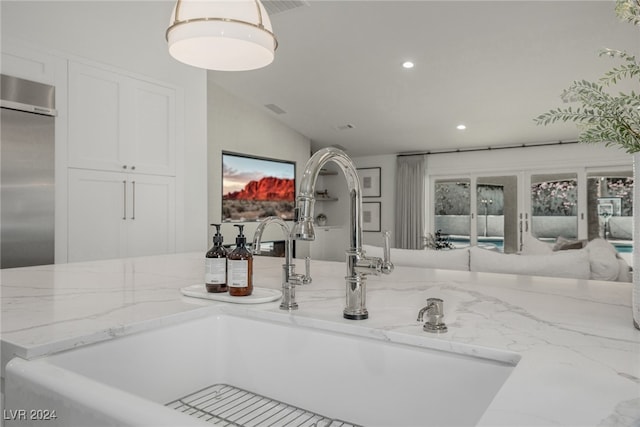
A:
{"points": [[236, 126], [128, 35], [552, 157], [387, 165]]}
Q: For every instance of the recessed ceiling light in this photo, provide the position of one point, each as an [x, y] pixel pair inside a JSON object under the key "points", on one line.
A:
{"points": [[408, 64], [461, 127]]}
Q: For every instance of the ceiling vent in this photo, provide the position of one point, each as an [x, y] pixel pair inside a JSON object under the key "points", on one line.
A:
{"points": [[278, 6]]}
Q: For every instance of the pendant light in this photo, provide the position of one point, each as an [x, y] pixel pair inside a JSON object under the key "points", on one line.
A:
{"points": [[226, 35]]}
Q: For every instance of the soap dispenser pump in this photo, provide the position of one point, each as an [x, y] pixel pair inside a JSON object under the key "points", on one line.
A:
{"points": [[216, 265], [240, 267]]}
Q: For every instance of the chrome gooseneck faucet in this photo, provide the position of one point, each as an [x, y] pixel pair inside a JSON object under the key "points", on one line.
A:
{"points": [[289, 277], [358, 265]]}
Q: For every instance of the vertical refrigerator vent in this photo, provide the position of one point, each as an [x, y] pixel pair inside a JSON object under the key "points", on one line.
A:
{"points": [[26, 95]]}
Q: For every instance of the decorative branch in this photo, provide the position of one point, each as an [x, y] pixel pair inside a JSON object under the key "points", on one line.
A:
{"points": [[629, 11], [602, 117]]}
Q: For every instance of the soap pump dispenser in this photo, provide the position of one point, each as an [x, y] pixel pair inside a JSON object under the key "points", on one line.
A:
{"points": [[240, 267], [216, 265]]}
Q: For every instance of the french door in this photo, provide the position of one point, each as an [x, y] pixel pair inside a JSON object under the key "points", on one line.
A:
{"points": [[555, 206], [479, 210], [498, 211]]}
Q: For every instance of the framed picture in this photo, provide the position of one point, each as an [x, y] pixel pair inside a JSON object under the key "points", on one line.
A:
{"points": [[371, 216], [254, 188], [369, 181]]}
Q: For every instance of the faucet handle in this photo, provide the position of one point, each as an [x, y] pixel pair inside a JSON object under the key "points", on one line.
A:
{"points": [[300, 279], [387, 265]]}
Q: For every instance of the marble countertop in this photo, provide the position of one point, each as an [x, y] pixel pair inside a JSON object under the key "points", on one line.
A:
{"points": [[577, 353]]}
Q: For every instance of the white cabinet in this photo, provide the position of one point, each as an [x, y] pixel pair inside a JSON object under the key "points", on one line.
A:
{"points": [[115, 214], [330, 244], [119, 123], [121, 159], [151, 226]]}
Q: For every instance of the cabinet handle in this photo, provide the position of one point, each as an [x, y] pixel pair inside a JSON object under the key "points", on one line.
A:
{"points": [[521, 236], [133, 168], [124, 212], [133, 213], [124, 166]]}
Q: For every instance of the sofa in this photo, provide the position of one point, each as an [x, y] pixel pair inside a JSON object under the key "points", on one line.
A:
{"points": [[594, 260]]}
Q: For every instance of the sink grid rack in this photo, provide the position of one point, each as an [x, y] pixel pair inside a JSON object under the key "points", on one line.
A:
{"points": [[226, 405]]}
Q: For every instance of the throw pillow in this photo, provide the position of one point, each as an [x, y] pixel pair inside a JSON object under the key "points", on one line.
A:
{"points": [[563, 244], [533, 246], [603, 260]]}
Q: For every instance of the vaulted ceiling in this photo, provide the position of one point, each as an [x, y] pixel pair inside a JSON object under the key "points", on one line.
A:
{"points": [[490, 65]]}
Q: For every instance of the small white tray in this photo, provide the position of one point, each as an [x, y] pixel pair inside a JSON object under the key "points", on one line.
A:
{"points": [[258, 296]]}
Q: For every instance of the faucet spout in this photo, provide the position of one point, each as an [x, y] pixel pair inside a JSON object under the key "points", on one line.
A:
{"points": [[358, 265], [289, 277], [257, 237]]}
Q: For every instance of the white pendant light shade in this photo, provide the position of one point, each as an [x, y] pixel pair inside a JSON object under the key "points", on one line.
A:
{"points": [[228, 35]]}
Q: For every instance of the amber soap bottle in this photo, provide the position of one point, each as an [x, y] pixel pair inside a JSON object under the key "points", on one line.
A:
{"points": [[215, 276], [240, 267]]}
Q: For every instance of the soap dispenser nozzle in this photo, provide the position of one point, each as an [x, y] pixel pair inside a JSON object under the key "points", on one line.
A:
{"points": [[217, 238], [240, 239]]}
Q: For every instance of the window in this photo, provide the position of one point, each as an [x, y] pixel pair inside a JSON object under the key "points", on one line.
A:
{"points": [[610, 207], [497, 212], [452, 203], [554, 206]]}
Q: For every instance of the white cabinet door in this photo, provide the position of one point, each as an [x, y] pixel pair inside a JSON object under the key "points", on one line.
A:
{"points": [[151, 218], [96, 120], [152, 143], [113, 215], [97, 212], [118, 123]]}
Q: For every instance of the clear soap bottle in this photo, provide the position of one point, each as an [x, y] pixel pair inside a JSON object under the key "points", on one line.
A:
{"points": [[240, 267], [216, 265]]}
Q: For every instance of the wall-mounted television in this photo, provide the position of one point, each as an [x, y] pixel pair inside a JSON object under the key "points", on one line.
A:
{"points": [[254, 188]]}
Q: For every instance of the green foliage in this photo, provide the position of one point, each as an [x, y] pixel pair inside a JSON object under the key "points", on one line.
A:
{"points": [[603, 117], [438, 242], [554, 198], [452, 198], [629, 10]]}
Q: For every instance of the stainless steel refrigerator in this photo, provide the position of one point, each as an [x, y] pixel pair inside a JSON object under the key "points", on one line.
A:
{"points": [[26, 173]]}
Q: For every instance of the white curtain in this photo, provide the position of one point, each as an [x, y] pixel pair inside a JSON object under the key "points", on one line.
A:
{"points": [[409, 227]]}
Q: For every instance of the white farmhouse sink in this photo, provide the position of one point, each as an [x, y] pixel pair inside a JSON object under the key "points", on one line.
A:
{"points": [[365, 381]]}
